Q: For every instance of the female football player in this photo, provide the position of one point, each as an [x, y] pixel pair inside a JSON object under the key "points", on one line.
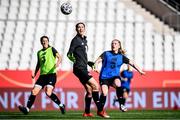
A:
{"points": [[109, 74], [47, 64], [78, 55]]}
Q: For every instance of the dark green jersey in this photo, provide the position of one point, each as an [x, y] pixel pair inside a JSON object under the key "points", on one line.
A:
{"points": [[47, 61]]}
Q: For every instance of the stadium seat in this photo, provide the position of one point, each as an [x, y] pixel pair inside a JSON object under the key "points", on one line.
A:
{"points": [[20, 28], [3, 12], [2, 28], [24, 66], [25, 3], [13, 13], [139, 18], [110, 14], [13, 65], [8, 37], [10, 27], [53, 12], [43, 13], [23, 11], [15, 3], [4, 57], [158, 54], [91, 15], [5, 3], [168, 55], [129, 15], [120, 15], [33, 13], [82, 10], [148, 53], [119, 31]]}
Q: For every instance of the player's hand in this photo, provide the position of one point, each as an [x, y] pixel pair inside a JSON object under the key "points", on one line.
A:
{"points": [[93, 66], [57, 65], [95, 70], [71, 57], [142, 73]]}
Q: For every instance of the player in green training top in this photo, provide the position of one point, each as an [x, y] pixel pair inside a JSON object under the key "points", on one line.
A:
{"points": [[47, 64]]}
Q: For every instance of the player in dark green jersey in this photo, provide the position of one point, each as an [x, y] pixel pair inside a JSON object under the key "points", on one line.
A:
{"points": [[47, 64], [78, 55]]}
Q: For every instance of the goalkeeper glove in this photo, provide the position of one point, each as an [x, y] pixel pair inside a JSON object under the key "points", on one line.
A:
{"points": [[91, 64], [71, 57]]}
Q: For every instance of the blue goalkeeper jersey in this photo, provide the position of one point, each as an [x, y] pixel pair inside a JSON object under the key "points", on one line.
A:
{"points": [[111, 64], [126, 78]]}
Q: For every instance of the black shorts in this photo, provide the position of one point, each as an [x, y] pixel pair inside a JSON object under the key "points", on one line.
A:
{"points": [[108, 82], [48, 79], [82, 74]]}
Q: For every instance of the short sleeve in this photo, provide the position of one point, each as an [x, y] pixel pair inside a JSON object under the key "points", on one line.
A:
{"points": [[125, 60], [54, 51], [102, 55]]}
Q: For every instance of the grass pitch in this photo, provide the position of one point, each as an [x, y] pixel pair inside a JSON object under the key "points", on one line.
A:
{"points": [[115, 114]]}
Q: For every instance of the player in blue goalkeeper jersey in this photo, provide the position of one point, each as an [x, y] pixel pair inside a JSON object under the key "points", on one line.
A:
{"points": [[109, 75]]}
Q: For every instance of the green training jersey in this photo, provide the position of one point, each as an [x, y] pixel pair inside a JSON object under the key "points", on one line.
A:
{"points": [[47, 61]]}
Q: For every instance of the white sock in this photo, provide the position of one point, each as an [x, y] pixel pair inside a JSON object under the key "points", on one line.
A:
{"points": [[27, 109], [61, 105]]}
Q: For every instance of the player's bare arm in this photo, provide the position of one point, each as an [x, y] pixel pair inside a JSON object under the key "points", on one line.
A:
{"points": [[59, 59], [36, 70], [135, 66], [99, 60]]}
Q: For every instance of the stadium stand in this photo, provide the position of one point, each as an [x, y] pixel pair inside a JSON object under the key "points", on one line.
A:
{"points": [[151, 43], [174, 3], [165, 10]]}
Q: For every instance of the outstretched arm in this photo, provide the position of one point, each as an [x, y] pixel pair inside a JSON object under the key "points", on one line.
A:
{"points": [[99, 60], [135, 66]]}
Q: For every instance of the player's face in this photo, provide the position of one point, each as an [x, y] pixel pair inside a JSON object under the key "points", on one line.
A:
{"points": [[45, 43], [81, 29], [115, 46]]}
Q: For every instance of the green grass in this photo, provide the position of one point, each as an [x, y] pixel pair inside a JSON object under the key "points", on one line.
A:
{"points": [[115, 114]]}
